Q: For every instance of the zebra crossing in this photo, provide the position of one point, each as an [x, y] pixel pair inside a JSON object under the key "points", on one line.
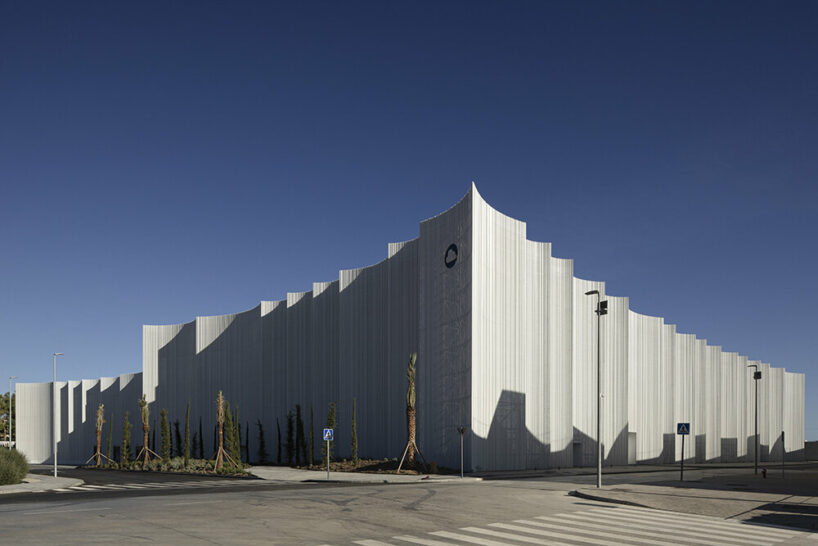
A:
{"points": [[142, 486], [606, 525]]}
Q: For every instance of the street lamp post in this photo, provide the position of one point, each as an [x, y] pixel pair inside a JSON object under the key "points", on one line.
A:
{"points": [[756, 377], [11, 408], [601, 309], [54, 411]]}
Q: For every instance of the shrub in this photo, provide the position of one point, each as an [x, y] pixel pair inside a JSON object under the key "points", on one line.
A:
{"points": [[13, 466]]}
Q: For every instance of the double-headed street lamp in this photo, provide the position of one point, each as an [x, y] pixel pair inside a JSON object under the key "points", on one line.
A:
{"points": [[11, 408], [54, 411], [601, 309], [756, 377]]}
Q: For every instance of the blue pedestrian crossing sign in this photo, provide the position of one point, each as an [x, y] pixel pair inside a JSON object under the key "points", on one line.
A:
{"points": [[328, 434], [682, 428]]}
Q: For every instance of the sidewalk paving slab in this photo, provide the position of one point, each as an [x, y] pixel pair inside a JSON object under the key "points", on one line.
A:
{"points": [[286, 474], [791, 502], [35, 483]]}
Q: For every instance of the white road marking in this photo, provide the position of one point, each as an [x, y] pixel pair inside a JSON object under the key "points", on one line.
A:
{"points": [[551, 534], [193, 502], [604, 526], [64, 511], [466, 538], [719, 525], [734, 524], [510, 536], [692, 536], [423, 541], [572, 527], [707, 530]]}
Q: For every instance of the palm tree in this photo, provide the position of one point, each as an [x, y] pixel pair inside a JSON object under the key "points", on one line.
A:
{"points": [[100, 422], [411, 426], [146, 428], [98, 455], [221, 454]]}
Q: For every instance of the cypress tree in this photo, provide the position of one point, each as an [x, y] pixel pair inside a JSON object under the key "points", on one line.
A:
{"points": [[278, 426], [201, 440], [187, 435], [229, 429], [177, 437], [290, 444], [299, 437], [247, 441], [312, 438], [262, 446], [165, 435], [110, 435], [331, 417], [354, 433], [125, 456], [195, 443], [235, 449]]}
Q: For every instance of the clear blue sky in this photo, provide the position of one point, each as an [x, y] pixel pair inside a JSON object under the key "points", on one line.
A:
{"points": [[161, 161]]}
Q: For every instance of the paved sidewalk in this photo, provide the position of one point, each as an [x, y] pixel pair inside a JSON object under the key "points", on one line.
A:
{"points": [[634, 469], [286, 474], [791, 501], [35, 483]]}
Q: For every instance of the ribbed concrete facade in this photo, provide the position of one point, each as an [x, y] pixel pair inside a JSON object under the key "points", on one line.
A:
{"points": [[507, 345]]}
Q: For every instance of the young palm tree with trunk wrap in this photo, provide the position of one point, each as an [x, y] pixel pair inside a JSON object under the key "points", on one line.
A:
{"points": [[411, 426], [143, 408], [221, 454], [100, 422]]}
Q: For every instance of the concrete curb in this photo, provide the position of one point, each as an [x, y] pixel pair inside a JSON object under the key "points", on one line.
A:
{"points": [[587, 496], [37, 483], [295, 475], [398, 482]]}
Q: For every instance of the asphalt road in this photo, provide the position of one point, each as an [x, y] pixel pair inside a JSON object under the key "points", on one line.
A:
{"points": [[534, 510]]}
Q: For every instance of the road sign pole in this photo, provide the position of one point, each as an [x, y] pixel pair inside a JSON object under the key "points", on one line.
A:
{"points": [[327, 460]]}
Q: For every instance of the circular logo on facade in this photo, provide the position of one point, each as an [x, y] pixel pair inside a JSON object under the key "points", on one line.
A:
{"points": [[451, 256]]}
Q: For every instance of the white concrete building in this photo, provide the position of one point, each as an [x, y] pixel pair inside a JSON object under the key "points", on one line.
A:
{"points": [[506, 342]]}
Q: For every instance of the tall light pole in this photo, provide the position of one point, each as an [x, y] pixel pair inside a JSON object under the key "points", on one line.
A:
{"points": [[756, 377], [11, 408], [54, 411], [601, 309]]}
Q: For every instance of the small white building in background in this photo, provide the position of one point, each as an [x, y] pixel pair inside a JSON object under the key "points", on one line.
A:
{"points": [[507, 344]]}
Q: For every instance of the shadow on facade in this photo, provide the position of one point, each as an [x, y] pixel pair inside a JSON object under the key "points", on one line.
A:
{"points": [[509, 444], [78, 424], [291, 355]]}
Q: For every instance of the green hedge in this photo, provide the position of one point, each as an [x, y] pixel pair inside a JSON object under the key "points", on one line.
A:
{"points": [[13, 466]]}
